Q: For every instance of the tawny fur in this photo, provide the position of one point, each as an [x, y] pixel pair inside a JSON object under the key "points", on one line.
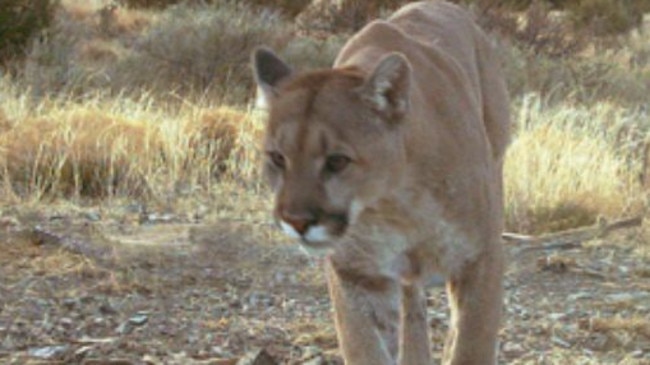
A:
{"points": [[418, 106]]}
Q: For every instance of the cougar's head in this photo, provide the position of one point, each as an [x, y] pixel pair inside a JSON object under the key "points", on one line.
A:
{"points": [[333, 142]]}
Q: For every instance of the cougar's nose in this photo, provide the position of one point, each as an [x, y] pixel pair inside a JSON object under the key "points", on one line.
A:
{"points": [[299, 222]]}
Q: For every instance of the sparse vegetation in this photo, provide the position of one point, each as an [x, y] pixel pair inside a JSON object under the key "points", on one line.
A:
{"points": [[149, 4], [290, 8], [201, 49], [343, 15], [20, 21], [135, 108], [607, 17]]}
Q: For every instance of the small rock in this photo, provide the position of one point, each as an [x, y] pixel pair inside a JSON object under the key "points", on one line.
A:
{"points": [[512, 347], [9, 222], [93, 216], [259, 357], [66, 322], [134, 208], [628, 297], [579, 296], [556, 316], [637, 354], [48, 352], [70, 303], [312, 355], [139, 319], [235, 303], [560, 342], [598, 341], [160, 218], [135, 321], [124, 328], [151, 360], [107, 308], [318, 360], [220, 351], [288, 304], [109, 362]]}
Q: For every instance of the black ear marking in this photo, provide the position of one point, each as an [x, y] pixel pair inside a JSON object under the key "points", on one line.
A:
{"points": [[268, 68]]}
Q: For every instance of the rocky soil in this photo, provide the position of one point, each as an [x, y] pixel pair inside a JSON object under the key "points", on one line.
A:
{"points": [[85, 287]]}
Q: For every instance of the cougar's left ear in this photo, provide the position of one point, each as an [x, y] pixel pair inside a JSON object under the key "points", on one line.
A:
{"points": [[387, 87], [269, 70]]}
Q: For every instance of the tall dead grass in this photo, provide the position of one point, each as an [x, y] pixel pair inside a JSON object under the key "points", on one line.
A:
{"points": [[108, 147], [570, 164]]}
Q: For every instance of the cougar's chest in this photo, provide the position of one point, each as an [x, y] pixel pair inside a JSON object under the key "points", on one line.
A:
{"points": [[409, 239]]}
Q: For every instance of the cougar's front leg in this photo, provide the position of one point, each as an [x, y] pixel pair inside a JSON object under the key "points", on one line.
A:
{"points": [[414, 334], [475, 299], [366, 312]]}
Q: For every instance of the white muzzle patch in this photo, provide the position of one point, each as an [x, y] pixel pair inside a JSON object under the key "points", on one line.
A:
{"points": [[315, 242], [289, 230], [314, 234], [317, 234]]}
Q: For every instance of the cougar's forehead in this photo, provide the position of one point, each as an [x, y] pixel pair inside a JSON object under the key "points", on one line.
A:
{"points": [[316, 109]]}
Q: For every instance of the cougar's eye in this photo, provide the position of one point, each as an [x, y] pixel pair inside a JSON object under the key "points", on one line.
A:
{"points": [[277, 159], [336, 163]]}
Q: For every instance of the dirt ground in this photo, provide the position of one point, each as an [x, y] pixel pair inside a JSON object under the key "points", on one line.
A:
{"points": [[83, 286]]}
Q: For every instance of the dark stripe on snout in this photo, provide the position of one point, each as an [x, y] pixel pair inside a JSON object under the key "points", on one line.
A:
{"points": [[303, 127]]}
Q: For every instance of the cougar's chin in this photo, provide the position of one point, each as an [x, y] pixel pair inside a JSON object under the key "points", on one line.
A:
{"points": [[317, 235], [323, 234]]}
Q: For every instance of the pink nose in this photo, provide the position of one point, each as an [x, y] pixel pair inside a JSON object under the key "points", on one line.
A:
{"points": [[300, 225], [299, 222]]}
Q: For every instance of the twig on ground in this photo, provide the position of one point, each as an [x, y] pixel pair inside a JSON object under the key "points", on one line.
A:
{"points": [[569, 239]]}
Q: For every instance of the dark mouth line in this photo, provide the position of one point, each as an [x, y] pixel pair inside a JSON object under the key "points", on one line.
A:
{"points": [[314, 243], [339, 223]]}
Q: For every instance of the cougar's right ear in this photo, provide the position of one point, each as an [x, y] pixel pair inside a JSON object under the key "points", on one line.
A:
{"points": [[269, 70], [387, 88]]}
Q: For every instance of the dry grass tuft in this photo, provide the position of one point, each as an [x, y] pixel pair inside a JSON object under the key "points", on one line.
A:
{"points": [[620, 332], [62, 262], [230, 136], [316, 334], [244, 162], [5, 123], [79, 150], [217, 129], [106, 148], [23, 255], [80, 10], [98, 52], [127, 22], [566, 167]]}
